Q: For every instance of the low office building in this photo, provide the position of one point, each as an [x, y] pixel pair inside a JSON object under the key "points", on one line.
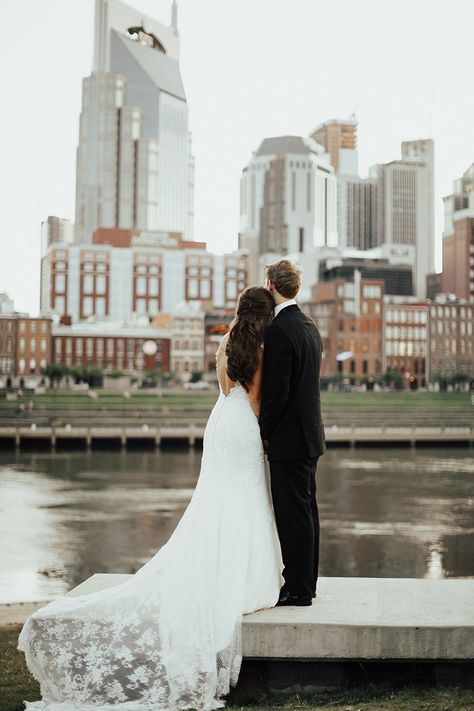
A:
{"points": [[131, 346], [405, 339], [349, 316], [451, 338], [25, 348], [187, 340], [126, 272]]}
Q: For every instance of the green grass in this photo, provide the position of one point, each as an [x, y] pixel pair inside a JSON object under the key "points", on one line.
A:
{"points": [[17, 684], [396, 400], [371, 699], [330, 399]]}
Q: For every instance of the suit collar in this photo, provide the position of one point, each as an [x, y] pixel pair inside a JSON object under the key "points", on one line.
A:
{"points": [[291, 308]]}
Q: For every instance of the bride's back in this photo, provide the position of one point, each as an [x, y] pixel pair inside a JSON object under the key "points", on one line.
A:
{"points": [[226, 384]]}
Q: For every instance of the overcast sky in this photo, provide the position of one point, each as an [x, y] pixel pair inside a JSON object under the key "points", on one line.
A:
{"points": [[251, 69]]}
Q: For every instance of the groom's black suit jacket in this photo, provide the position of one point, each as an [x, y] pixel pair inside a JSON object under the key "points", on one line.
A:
{"points": [[290, 413]]}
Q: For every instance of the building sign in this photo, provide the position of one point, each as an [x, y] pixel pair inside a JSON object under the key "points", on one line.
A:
{"points": [[154, 239]]}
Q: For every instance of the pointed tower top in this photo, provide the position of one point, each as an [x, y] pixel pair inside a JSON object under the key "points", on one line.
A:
{"points": [[174, 16]]}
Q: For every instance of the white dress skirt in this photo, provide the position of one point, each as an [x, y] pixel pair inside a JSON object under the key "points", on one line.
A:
{"points": [[169, 637]]}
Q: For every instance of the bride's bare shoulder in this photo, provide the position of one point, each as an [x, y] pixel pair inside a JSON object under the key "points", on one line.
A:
{"points": [[222, 344]]}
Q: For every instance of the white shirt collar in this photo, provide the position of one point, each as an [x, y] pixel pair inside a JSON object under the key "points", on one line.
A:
{"points": [[281, 306]]}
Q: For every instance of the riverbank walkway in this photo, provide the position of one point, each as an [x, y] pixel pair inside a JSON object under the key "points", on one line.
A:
{"points": [[191, 435]]}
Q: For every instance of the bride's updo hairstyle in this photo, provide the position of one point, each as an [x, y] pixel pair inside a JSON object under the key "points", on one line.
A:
{"points": [[254, 313]]}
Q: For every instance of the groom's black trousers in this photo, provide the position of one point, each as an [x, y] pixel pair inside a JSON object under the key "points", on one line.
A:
{"points": [[293, 486]]}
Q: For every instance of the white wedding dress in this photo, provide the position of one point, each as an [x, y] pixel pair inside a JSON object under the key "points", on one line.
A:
{"points": [[169, 637]]}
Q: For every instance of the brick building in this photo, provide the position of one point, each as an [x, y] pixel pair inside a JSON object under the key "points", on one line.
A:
{"points": [[111, 346], [405, 339], [25, 347], [187, 341], [349, 317], [451, 337], [125, 272]]}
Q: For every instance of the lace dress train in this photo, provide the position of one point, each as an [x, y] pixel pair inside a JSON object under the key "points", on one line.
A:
{"points": [[169, 637]]}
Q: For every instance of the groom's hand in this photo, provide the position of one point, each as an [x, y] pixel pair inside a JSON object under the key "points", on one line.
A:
{"points": [[265, 445]]}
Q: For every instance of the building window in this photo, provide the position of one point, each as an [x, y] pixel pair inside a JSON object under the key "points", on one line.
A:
{"points": [[100, 306], [141, 286], [59, 304], [372, 291], [193, 289], [87, 306], [231, 290], [88, 284], [60, 282], [100, 284], [153, 286]]}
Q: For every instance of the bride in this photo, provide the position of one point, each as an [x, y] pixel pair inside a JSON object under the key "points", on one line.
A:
{"points": [[169, 637]]}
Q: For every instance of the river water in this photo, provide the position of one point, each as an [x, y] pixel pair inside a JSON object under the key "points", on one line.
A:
{"points": [[384, 513]]}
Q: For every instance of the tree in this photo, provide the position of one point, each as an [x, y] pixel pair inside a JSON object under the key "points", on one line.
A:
{"points": [[55, 372], [115, 374], [152, 378], [196, 377], [442, 380], [393, 379], [460, 379]]}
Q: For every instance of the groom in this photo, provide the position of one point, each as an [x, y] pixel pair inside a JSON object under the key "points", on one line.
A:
{"points": [[292, 431]]}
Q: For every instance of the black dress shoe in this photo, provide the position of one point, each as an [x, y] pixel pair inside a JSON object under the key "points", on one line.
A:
{"points": [[287, 600]]}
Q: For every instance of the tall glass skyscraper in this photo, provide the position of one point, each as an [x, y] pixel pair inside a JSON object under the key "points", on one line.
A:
{"points": [[134, 163]]}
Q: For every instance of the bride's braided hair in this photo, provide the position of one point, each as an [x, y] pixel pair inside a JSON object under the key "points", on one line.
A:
{"points": [[247, 330]]}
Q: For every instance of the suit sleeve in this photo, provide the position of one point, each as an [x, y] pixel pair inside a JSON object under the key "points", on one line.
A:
{"points": [[277, 370]]}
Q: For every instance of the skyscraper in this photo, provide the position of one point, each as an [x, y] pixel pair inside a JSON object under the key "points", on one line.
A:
{"points": [[288, 197], [458, 238], [56, 230], [405, 209], [356, 197], [135, 169], [357, 212], [339, 139]]}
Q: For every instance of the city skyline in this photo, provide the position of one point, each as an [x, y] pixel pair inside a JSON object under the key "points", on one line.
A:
{"points": [[232, 108]]}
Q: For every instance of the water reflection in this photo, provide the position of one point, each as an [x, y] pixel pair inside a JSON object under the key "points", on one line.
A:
{"points": [[388, 513]]}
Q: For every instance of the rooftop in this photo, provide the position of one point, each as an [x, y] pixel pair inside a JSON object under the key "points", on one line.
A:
{"points": [[283, 144]]}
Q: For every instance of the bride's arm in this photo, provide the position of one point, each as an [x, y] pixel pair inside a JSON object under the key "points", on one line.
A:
{"points": [[255, 388]]}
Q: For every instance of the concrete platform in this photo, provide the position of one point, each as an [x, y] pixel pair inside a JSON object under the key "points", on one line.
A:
{"points": [[360, 618], [394, 631]]}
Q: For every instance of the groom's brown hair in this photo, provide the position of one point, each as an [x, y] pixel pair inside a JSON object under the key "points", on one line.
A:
{"points": [[285, 277]]}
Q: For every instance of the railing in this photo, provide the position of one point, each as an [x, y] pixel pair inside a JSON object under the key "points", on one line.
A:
{"points": [[195, 432]]}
